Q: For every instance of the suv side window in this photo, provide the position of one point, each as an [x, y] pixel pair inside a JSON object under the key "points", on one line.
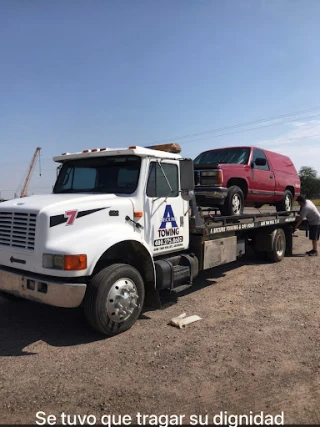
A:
{"points": [[260, 154], [157, 183]]}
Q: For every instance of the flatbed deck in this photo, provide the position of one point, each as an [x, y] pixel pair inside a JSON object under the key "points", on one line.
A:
{"points": [[215, 224]]}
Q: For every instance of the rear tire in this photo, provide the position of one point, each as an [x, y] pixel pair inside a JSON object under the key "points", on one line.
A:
{"points": [[278, 247], [114, 299], [234, 203], [285, 205]]}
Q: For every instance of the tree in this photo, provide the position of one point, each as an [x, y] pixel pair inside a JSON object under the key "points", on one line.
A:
{"points": [[310, 182]]}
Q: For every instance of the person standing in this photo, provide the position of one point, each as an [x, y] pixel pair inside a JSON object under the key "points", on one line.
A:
{"points": [[309, 212]]}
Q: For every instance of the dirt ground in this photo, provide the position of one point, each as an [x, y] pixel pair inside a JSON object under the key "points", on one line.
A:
{"points": [[256, 349]]}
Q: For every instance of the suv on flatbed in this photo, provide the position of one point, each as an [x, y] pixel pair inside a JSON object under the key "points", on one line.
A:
{"points": [[235, 177]]}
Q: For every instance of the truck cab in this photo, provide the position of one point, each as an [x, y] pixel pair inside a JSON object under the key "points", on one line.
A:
{"points": [[107, 206]]}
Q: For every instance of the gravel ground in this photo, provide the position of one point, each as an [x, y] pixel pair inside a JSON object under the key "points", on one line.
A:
{"points": [[256, 349]]}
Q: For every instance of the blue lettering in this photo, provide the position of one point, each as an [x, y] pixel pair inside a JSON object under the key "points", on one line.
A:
{"points": [[168, 216]]}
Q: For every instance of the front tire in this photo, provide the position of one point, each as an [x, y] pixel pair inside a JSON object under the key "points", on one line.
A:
{"points": [[234, 203], [114, 299], [285, 205]]}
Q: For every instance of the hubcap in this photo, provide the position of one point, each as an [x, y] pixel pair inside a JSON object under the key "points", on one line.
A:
{"points": [[287, 203], [236, 204], [122, 300], [280, 246]]}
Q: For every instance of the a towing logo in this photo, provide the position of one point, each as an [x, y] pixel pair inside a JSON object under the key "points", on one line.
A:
{"points": [[168, 218]]}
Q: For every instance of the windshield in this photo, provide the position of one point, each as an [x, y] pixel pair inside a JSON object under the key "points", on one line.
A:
{"points": [[114, 174], [224, 155]]}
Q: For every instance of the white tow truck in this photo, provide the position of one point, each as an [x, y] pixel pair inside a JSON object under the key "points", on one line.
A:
{"points": [[120, 226]]}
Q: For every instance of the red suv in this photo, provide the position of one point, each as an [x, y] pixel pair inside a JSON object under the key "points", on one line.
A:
{"points": [[235, 177]]}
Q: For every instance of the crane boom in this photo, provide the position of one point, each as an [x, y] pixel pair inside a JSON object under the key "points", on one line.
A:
{"points": [[31, 167]]}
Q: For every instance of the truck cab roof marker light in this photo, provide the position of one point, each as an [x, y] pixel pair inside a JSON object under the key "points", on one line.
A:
{"points": [[169, 148]]}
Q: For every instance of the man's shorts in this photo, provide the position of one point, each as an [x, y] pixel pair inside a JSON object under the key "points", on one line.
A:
{"points": [[314, 232]]}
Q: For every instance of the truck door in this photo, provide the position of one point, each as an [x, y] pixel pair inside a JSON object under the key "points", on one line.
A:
{"points": [[262, 178], [166, 227]]}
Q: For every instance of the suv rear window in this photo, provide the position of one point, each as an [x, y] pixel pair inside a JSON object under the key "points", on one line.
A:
{"points": [[224, 155]]}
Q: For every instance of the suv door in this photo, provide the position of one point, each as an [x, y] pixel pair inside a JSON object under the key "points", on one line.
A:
{"points": [[262, 179]]}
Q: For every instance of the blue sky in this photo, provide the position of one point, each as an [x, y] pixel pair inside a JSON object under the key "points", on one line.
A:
{"points": [[81, 74]]}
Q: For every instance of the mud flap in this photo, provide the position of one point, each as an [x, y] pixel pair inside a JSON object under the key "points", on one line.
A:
{"points": [[288, 231]]}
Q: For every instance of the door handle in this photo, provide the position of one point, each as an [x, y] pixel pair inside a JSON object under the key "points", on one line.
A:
{"points": [[271, 176]]}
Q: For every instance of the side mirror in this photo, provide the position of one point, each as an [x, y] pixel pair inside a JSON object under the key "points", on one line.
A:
{"points": [[187, 195], [186, 179], [260, 161]]}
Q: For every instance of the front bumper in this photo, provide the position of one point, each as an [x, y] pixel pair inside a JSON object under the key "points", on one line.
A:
{"points": [[58, 294], [214, 195]]}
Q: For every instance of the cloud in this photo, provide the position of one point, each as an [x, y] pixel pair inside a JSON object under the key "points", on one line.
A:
{"points": [[298, 124], [300, 130], [301, 143]]}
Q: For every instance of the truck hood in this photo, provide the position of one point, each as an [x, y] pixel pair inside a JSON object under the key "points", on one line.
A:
{"points": [[208, 166], [57, 201], [35, 225]]}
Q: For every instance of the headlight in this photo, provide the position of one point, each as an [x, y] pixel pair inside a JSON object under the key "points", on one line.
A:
{"points": [[213, 177], [64, 262], [53, 261]]}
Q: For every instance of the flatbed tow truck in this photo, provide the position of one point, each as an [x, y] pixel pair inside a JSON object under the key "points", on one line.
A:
{"points": [[121, 226]]}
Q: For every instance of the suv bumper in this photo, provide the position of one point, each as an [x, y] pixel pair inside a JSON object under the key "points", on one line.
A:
{"points": [[212, 195], [58, 294]]}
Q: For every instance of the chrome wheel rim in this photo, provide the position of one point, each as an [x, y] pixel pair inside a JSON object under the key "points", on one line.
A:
{"points": [[236, 204], [280, 246], [287, 203], [122, 300]]}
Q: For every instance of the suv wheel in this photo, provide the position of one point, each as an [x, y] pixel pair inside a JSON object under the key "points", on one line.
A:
{"points": [[234, 203], [286, 203]]}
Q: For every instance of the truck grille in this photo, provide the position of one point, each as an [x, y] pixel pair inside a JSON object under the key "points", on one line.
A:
{"points": [[18, 229], [196, 178]]}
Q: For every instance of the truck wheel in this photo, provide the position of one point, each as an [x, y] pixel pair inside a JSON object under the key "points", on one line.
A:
{"points": [[114, 299], [278, 246], [234, 202], [286, 203]]}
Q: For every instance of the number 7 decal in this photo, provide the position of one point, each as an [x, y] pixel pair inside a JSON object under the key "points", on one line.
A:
{"points": [[71, 216]]}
